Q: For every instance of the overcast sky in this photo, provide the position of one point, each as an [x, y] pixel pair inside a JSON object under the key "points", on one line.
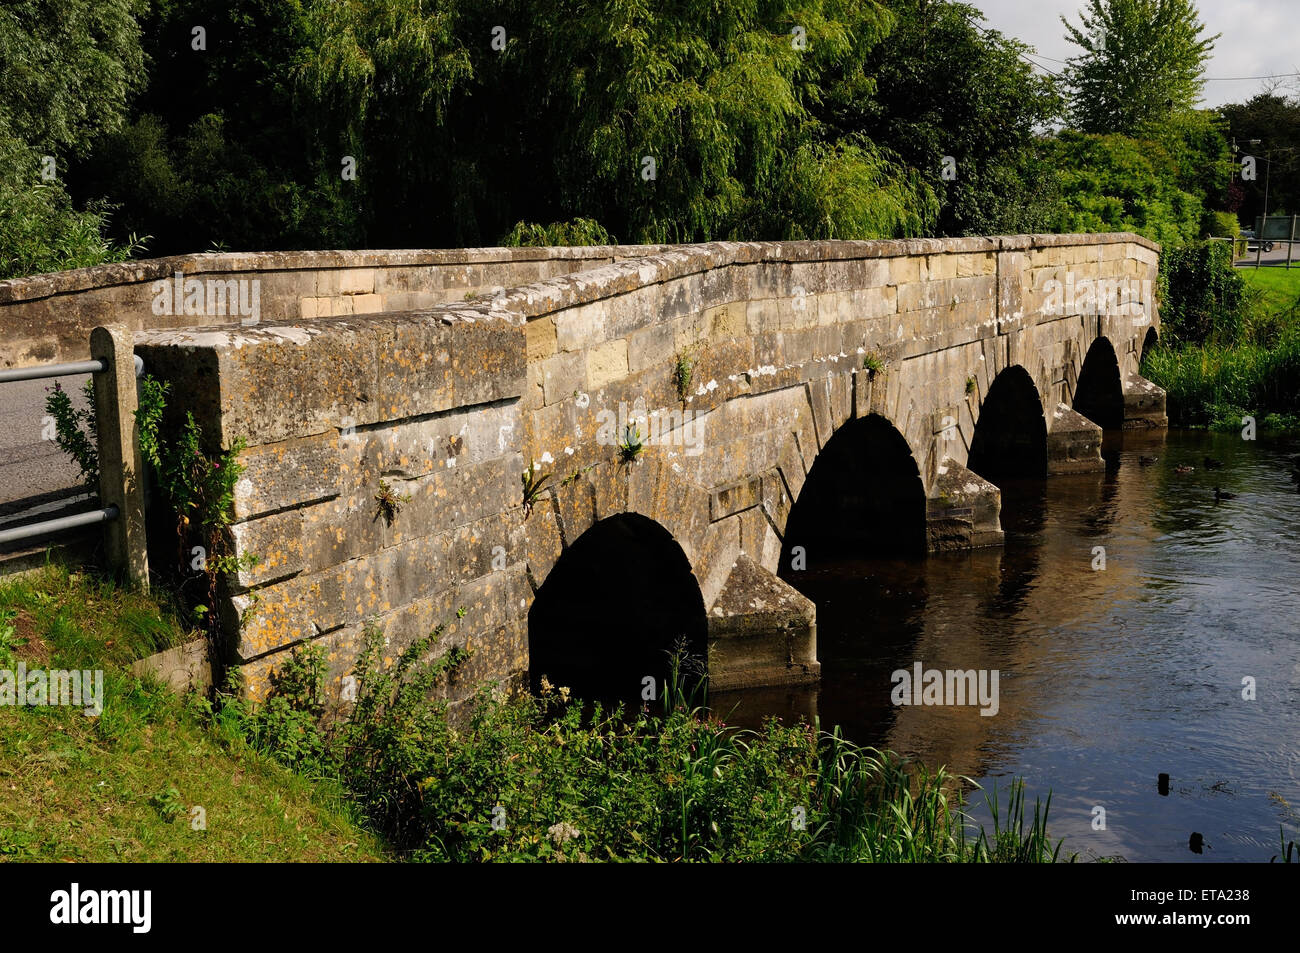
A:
{"points": [[1259, 37]]}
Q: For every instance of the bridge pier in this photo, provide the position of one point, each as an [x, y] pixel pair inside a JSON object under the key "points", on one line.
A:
{"points": [[962, 511], [762, 631], [1073, 443], [1144, 404]]}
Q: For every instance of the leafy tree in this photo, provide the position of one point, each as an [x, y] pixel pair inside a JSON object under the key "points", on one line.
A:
{"points": [[226, 148], [946, 86], [661, 121], [1142, 62], [1275, 121], [68, 67], [68, 70], [1116, 183]]}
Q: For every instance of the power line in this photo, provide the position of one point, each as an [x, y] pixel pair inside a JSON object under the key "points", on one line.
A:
{"points": [[1026, 58], [985, 33], [1208, 79]]}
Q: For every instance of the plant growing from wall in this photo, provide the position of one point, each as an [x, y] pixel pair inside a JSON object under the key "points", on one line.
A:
{"points": [[388, 502], [873, 364], [573, 477], [682, 373], [970, 386], [532, 483], [631, 446], [199, 488]]}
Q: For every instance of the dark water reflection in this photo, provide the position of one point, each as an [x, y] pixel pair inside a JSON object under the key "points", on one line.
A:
{"points": [[1107, 678]]}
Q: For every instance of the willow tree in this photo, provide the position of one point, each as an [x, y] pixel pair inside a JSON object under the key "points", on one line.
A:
{"points": [[67, 70], [1142, 62], [683, 121], [662, 121]]}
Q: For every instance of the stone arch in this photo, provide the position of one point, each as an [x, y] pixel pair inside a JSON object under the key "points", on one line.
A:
{"points": [[1151, 339], [1010, 438], [864, 493], [612, 608], [1099, 390], [649, 487]]}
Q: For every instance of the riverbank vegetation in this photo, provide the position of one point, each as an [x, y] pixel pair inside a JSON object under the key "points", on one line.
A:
{"points": [[548, 777], [402, 777], [1230, 345], [153, 778]]}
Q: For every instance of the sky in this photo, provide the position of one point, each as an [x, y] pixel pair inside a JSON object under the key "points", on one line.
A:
{"points": [[1259, 38]]}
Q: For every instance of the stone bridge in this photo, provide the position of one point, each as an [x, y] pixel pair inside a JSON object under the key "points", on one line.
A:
{"points": [[699, 424]]}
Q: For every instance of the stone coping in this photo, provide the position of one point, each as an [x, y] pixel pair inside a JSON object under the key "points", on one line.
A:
{"points": [[35, 287], [551, 295]]}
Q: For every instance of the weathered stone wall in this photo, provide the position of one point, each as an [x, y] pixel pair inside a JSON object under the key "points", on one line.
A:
{"points": [[448, 405], [47, 318]]}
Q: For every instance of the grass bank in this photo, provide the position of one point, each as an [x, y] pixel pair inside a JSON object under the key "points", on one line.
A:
{"points": [[551, 778], [157, 777], [124, 786], [1233, 351], [544, 778]]}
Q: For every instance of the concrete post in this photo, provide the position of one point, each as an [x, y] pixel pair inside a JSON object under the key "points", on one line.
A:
{"points": [[121, 471]]}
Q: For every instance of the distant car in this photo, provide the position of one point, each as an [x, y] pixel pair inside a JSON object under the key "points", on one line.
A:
{"points": [[1251, 243]]}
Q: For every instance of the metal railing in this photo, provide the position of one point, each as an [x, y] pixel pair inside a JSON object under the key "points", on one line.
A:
{"points": [[1259, 250], [120, 493], [58, 524], [43, 371]]}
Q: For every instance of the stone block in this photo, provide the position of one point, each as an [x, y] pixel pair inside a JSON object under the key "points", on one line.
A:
{"points": [[606, 363], [563, 374]]}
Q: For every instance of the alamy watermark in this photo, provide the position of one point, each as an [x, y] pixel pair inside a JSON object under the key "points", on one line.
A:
{"points": [[216, 297], [1111, 297], [671, 427], [75, 905], [932, 686], [56, 687]]}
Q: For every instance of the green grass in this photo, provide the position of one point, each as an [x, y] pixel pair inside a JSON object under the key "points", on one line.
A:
{"points": [[1282, 285], [124, 785]]}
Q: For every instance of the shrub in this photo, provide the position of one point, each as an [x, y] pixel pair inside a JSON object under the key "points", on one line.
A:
{"points": [[75, 431], [549, 778], [578, 231], [40, 230], [1219, 225], [1201, 294]]}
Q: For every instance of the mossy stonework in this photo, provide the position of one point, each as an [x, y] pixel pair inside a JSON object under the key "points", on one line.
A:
{"points": [[449, 401]]}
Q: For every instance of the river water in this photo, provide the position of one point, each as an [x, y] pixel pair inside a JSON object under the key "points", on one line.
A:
{"points": [[1107, 677]]}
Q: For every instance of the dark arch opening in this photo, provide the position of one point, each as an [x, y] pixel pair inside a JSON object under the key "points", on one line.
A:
{"points": [[1099, 395], [1010, 440], [863, 496], [612, 610], [1149, 342]]}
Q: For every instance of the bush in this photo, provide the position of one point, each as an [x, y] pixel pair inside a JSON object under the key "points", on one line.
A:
{"points": [[40, 230], [1219, 225], [579, 231], [547, 778], [1201, 294]]}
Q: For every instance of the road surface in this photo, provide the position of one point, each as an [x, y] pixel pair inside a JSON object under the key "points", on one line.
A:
{"points": [[31, 469]]}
